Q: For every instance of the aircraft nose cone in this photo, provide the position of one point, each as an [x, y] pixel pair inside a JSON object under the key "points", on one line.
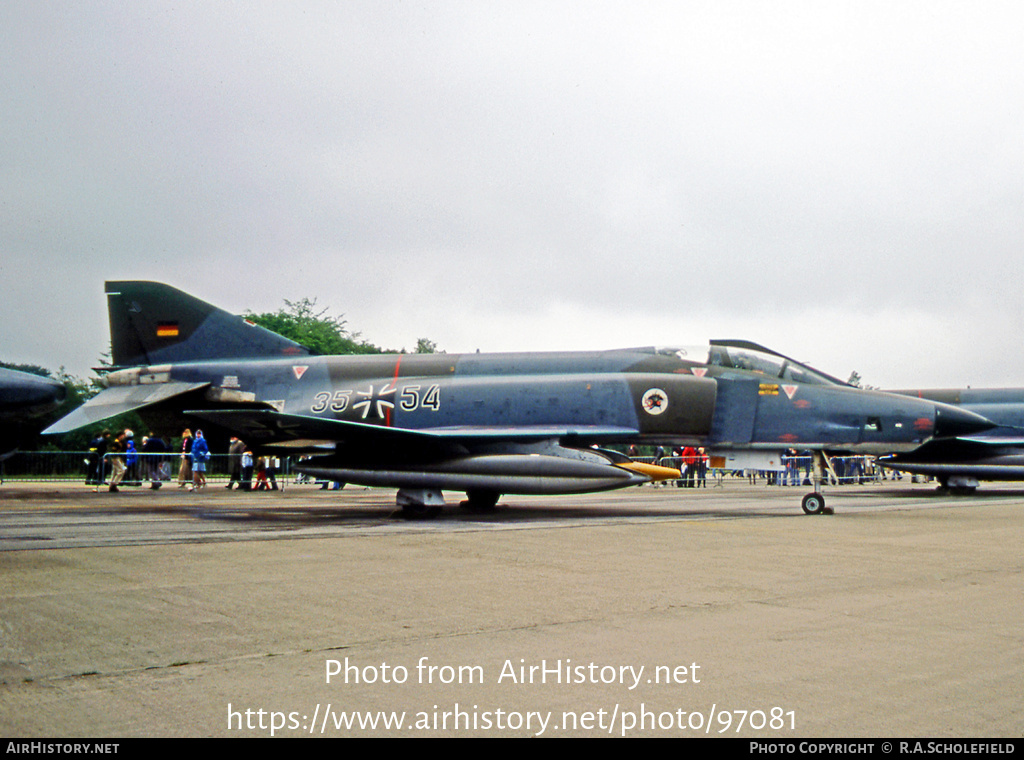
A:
{"points": [[951, 421], [28, 393]]}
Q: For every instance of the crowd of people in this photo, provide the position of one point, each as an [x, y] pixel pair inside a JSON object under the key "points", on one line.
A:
{"points": [[794, 469], [152, 461], [129, 465]]}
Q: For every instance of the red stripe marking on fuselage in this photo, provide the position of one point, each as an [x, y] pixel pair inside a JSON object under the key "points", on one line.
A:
{"points": [[394, 384]]}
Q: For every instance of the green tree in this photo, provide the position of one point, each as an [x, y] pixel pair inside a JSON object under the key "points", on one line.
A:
{"points": [[426, 346], [32, 369], [303, 322]]}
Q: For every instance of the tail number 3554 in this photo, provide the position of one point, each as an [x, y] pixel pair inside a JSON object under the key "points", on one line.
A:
{"points": [[409, 397]]}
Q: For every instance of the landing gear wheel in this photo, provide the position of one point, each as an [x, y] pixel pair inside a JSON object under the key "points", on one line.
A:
{"points": [[420, 503], [481, 500], [814, 504], [958, 485]]}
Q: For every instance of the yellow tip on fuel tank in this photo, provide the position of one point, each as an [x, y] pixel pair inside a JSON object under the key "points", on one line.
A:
{"points": [[653, 471]]}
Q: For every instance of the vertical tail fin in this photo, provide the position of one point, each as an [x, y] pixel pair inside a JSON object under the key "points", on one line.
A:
{"points": [[153, 323]]}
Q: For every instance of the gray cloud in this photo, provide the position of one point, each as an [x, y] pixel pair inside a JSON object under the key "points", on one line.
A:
{"points": [[841, 181]]}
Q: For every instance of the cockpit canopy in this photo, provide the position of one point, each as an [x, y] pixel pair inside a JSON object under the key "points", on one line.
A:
{"points": [[750, 357]]}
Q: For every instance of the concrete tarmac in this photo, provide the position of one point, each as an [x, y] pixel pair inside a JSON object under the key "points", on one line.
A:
{"points": [[642, 612]]}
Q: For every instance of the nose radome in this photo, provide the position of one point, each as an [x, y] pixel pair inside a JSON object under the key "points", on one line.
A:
{"points": [[952, 422]]}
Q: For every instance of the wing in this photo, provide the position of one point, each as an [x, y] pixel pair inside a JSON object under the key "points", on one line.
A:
{"points": [[114, 401]]}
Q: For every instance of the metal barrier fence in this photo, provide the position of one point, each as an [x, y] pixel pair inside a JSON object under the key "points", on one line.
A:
{"points": [[86, 466], [844, 471], [45, 466]]}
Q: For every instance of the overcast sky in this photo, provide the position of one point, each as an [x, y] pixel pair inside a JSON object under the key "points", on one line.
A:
{"points": [[841, 181]]}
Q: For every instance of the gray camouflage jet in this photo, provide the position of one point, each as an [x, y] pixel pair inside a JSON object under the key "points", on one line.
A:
{"points": [[484, 424], [960, 462], [24, 397]]}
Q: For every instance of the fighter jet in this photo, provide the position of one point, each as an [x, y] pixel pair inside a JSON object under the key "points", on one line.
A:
{"points": [[484, 424], [959, 463], [23, 398]]}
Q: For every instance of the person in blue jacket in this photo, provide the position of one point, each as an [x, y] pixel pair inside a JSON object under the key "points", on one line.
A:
{"points": [[200, 456], [131, 460]]}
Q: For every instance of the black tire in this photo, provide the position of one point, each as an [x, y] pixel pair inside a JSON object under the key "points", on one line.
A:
{"points": [[420, 512], [481, 500], [813, 504], [963, 490]]}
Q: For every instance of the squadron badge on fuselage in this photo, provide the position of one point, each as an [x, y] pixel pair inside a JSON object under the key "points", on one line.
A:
{"points": [[655, 401]]}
